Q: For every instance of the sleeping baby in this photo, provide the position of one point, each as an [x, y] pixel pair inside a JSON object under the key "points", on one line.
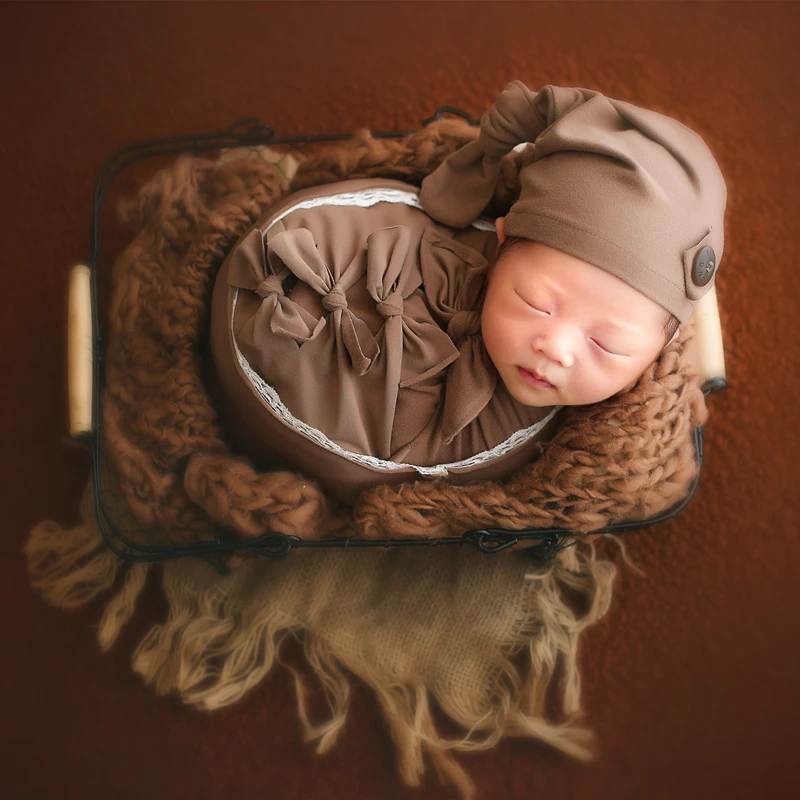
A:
{"points": [[368, 331]]}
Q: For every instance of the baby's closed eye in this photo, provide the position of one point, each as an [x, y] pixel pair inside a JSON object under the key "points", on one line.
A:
{"points": [[534, 304], [606, 349]]}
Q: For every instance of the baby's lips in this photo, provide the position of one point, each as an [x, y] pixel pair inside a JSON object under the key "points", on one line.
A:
{"points": [[538, 376]]}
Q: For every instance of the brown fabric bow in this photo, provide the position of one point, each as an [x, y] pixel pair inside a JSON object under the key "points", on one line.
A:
{"points": [[414, 349], [331, 381], [250, 269], [297, 251]]}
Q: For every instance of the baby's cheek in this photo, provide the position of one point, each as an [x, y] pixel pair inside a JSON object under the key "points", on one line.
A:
{"points": [[493, 332], [594, 384], [513, 329], [628, 380]]}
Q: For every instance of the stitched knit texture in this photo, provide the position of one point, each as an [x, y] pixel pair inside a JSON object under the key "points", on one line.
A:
{"points": [[627, 458]]}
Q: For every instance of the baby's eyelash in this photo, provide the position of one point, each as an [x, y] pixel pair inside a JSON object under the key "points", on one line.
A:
{"points": [[595, 342], [531, 305]]}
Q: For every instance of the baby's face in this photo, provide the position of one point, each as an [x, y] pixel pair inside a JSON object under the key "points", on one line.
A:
{"points": [[562, 331]]}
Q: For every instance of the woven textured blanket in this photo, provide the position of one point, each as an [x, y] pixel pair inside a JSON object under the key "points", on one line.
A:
{"points": [[442, 636], [628, 458]]}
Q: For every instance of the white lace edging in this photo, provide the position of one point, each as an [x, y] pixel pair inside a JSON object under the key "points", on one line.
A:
{"points": [[365, 199]]}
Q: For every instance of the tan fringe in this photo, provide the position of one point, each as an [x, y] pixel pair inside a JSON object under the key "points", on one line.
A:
{"points": [[213, 648], [551, 628], [337, 693], [617, 540], [222, 636], [209, 650], [121, 607], [559, 630], [70, 566]]}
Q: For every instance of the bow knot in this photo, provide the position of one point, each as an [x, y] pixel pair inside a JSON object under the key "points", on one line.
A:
{"points": [[270, 285], [334, 299], [391, 306]]}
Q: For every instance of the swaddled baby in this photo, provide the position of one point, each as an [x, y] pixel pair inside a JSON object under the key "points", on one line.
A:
{"points": [[367, 331]]}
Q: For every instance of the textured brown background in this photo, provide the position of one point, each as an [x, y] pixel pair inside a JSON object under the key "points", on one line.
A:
{"points": [[690, 682]]}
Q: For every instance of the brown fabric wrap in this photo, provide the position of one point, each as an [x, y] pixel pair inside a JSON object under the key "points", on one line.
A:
{"points": [[364, 319], [627, 458]]}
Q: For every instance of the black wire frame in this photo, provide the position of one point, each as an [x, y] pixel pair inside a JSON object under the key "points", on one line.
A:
{"points": [[156, 546]]}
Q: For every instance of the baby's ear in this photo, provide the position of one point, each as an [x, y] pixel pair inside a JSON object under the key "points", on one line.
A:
{"points": [[500, 227], [674, 336]]}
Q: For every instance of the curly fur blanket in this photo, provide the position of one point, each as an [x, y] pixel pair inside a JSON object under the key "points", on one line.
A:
{"points": [[625, 459]]}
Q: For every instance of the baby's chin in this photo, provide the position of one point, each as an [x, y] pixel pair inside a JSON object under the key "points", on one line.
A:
{"points": [[556, 397], [537, 403], [535, 398], [570, 395]]}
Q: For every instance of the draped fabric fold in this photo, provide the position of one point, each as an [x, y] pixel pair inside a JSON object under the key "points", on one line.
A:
{"points": [[454, 275], [460, 188]]}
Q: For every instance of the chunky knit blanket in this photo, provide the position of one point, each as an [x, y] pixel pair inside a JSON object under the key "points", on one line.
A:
{"points": [[628, 458]]}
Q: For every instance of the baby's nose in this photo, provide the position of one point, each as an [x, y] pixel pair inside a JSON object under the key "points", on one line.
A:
{"points": [[558, 346]]}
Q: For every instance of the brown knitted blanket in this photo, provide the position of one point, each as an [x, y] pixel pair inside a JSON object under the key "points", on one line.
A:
{"points": [[628, 458]]}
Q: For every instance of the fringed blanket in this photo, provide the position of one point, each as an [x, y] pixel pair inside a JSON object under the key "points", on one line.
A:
{"points": [[430, 630]]}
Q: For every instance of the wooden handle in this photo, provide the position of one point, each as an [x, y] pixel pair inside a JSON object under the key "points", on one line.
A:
{"points": [[80, 351], [708, 335]]}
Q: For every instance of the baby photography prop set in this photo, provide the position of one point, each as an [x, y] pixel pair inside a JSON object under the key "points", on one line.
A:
{"points": [[304, 395]]}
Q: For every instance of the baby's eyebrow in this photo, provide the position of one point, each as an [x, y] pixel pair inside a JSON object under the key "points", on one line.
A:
{"points": [[606, 323], [619, 326]]}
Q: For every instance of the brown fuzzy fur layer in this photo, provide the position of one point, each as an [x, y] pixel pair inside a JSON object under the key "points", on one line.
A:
{"points": [[627, 458]]}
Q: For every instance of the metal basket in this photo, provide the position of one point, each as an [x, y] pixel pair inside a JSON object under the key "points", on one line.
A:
{"points": [[123, 533]]}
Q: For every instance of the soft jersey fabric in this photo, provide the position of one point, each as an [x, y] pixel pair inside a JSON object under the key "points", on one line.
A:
{"points": [[349, 312], [366, 320], [627, 189]]}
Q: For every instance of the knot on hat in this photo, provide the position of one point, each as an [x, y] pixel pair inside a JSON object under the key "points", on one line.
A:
{"points": [[512, 119], [271, 285], [334, 299], [463, 324], [391, 306]]}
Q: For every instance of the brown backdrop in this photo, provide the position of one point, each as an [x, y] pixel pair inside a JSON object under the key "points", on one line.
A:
{"points": [[690, 682]]}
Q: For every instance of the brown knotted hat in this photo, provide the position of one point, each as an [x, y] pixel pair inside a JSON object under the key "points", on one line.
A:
{"points": [[627, 189]]}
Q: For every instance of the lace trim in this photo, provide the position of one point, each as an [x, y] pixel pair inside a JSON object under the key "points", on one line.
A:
{"points": [[370, 197], [365, 199]]}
